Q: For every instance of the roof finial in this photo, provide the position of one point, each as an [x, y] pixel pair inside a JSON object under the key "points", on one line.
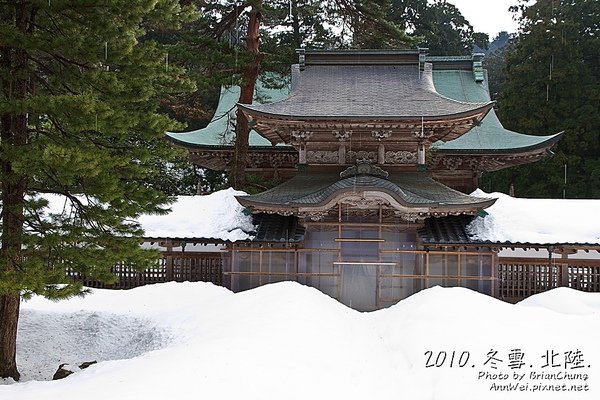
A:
{"points": [[301, 58]]}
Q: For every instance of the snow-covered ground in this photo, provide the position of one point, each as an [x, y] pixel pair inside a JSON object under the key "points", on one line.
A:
{"points": [[287, 341]]}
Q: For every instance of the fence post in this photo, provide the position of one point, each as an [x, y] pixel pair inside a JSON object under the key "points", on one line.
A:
{"points": [[495, 274], [169, 261], [564, 270]]}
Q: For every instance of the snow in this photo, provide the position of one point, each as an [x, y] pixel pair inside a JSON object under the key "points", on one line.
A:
{"points": [[566, 301], [74, 338], [217, 215], [543, 221], [510, 219], [288, 341]]}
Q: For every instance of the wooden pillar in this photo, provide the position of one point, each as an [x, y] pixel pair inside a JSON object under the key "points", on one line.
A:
{"points": [[260, 268], [302, 154], [458, 268], [296, 261], [342, 154], [495, 274], [232, 268], [427, 270], [381, 154], [564, 270]]}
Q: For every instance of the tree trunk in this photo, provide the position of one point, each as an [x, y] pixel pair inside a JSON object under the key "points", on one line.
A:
{"points": [[12, 227], [237, 176], [9, 318], [296, 25], [13, 134]]}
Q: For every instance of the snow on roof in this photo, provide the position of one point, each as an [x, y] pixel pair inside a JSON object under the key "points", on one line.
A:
{"points": [[510, 219], [214, 216], [542, 221], [288, 341]]}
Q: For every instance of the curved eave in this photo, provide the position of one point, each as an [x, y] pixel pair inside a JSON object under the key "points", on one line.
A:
{"points": [[270, 125], [189, 145], [481, 108], [331, 200], [546, 144]]}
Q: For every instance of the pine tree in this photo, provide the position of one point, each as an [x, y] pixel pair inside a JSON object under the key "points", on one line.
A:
{"points": [[438, 25], [237, 175], [495, 63], [80, 83], [208, 57], [553, 85]]}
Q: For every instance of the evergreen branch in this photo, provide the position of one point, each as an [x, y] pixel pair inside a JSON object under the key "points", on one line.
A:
{"points": [[65, 61], [58, 126], [45, 67], [228, 21], [37, 218], [53, 20], [78, 204], [226, 113]]}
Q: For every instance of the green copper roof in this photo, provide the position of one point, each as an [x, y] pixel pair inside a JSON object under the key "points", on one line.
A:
{"points": [[412, 189], [354, 92], [221, 129], [490, 135]]}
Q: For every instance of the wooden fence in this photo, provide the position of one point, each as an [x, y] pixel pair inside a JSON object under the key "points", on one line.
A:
{"points": [[517, 277], [172, 266], [522, 277]]}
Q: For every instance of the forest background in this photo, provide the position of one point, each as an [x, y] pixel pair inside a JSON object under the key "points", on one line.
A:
{"points": [[545, 78]]}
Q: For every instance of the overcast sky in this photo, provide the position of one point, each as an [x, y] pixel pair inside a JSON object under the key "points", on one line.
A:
{"points": [[489, 16]]}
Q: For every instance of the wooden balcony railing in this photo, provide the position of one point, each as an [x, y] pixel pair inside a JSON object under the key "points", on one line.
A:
{"points": [[522, 277], [172, 266]]}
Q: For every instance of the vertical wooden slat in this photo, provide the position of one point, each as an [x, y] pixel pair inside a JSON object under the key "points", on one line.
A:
{"points": [[522, 277], [495, 275], [183, 266], [169, 262], [517, 278]]}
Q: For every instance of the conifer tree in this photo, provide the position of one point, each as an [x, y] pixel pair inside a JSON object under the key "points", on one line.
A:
{"points": [[438, 24], [553, 85], [80, 83], [237, 176]]}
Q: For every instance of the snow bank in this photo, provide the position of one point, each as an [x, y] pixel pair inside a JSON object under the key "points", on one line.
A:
{"points": [[217, 215], [538, 220], [287, 341], [566, 301], [74, 338]]}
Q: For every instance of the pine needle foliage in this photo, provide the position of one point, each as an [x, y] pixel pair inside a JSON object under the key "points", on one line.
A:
{"points": [[80, 85]]}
